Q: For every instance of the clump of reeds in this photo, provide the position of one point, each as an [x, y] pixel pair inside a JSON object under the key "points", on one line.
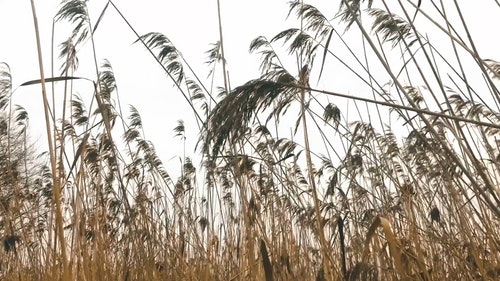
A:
{"points": [[399, 184]]}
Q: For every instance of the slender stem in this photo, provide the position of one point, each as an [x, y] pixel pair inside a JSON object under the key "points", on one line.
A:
{"points": [[226, 84], [55, 172], [321, 234], [397, 106]]}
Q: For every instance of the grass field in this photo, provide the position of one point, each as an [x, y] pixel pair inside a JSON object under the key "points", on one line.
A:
{"points": [[397, 180]]}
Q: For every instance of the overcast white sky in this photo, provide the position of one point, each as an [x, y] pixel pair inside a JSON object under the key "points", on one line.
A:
{"points": [[192, 27]]}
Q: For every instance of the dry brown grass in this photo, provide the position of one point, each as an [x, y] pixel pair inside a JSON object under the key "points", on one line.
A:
{"points": [[339, 200]]}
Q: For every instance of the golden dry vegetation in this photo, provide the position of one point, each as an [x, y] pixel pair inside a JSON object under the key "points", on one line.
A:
{"points": [[401, 182]]}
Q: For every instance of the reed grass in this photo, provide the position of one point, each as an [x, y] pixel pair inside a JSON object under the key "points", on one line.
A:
{"points": [[399, 181]]}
